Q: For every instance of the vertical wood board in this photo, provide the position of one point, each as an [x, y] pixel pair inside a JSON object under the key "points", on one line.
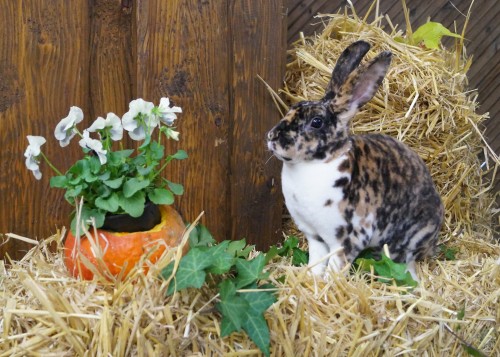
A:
{"points": [[44, 70]]}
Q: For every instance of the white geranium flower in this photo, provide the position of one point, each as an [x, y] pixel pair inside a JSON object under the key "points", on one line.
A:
{"points": [[135, 127], [167, 113], [112, 121], [32, 153], [65, 130], [94, 145]]}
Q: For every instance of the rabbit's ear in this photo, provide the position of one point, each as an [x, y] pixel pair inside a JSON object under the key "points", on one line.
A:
{"points": [[347, 62], [364, 82]]}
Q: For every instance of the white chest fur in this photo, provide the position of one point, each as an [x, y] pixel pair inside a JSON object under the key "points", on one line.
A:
{"points": [[312, 197]]}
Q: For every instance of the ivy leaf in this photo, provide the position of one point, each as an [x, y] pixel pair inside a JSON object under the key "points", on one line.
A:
{"points": [[257, 329], [161, 196], [388, 270], [249, 271], [299, 257], [236, 246], [134, 185], [222, 260], [430, 34], [191, 271], [109, 204], [227, 327], [133, 205], [200, 237], [259, 301], [114, 184], [271, 253], [232, 305]]}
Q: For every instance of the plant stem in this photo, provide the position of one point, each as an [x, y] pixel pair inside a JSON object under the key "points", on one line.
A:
{"points": [[167, 161], [50, 164]]}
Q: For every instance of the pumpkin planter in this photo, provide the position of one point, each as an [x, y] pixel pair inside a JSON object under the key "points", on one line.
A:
{"points": [[121, 250]]}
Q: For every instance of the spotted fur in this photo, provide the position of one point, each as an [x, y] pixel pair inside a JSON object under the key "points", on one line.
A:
{"points": [[347, 193]]}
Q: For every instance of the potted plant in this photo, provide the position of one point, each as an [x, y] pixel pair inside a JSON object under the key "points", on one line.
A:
{"points": [[119, 198]]}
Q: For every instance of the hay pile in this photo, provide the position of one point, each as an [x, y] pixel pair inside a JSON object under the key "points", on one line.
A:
{"points": [[45, 311]]}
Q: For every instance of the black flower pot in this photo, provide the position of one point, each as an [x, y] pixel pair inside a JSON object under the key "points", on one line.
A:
{"points": [[126, 223]]}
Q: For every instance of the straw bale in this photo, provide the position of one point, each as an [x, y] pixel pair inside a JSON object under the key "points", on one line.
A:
{"points": [[45, 311]]}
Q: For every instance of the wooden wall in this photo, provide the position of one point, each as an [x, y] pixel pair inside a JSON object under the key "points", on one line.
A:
{"points": [[100, 54], [482, 34]]}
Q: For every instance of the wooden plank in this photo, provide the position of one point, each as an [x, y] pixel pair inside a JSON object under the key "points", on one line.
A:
{"points": [[258, 48], [43, 62], [111, 60], [182, 52]]}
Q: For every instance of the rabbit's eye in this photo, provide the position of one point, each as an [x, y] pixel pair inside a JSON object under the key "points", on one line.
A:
{"points": [[316, 123]]}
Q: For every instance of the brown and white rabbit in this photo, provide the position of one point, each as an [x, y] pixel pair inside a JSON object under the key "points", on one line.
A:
{"points": [[354, 191]]}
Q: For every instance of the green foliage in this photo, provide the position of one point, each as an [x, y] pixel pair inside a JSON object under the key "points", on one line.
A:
{"points": [[114, 181], [448, 253], [430, 35], [289, 248], [243, 297], [386, 269]]}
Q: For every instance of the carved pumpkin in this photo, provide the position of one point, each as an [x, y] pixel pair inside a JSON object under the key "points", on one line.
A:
{"points": [[124, 250]]}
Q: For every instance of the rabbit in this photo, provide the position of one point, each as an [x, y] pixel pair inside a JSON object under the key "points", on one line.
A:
{"points": [[349, 192]]}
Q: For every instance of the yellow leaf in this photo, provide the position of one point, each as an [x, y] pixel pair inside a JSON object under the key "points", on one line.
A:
{"points": [[430, 34]]}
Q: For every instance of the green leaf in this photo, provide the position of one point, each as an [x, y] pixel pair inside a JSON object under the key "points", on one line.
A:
{"points": [[134, 185], [144, 171], [430, 34], [133, 205], [259, 301], [299, 257], [104, 176], [176, 188], [179, 155], [249, 271], [236, 246], [109, 204], [58, 181], [222, 260], [290, 243], [388, 270], [85, 219], [257, 329], [156, 151], [114, 184], [232, 306], [191, 270], [227, 327], [449, 253], [271, 253], [200, 237], [161, 196], [116, 157]]}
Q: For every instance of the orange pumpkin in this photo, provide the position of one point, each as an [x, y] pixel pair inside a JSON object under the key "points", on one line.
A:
{"points": [[124, 250]]}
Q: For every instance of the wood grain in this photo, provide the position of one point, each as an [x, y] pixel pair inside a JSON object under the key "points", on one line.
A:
{"points": [[43, 62], [182, 53], [258, 36], [112, 71]]}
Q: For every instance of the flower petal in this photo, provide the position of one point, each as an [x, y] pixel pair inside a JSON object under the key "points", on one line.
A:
{"points": [[113, 121], [64, 130], [98, 124]]}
